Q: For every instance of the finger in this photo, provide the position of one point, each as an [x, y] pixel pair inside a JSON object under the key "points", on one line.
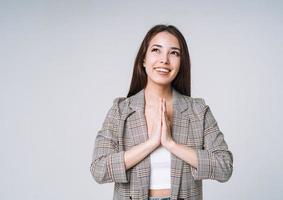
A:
{"points": [[166, 118], [164, 112], [160, 109], [164, 109], [165, 115], [161, 113], [164, 106]]}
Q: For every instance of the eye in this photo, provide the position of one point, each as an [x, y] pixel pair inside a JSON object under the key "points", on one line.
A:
{"points": [[155, 50], [176, 53]]}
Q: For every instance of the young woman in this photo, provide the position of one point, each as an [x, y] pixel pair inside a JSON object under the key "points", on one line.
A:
{"points": [[160, 143]]}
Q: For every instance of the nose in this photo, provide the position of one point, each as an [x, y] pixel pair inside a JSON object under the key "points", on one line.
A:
{"points": [[164, 58]]}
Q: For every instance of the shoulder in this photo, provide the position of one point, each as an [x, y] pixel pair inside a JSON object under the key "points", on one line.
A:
{"points": [[199, 109], [117, 107], [122, 107], [196, 104]]}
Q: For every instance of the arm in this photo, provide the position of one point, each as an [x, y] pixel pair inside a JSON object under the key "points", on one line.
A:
{"points": [[107, 161], [183, 152], [138, 153], [215, 161]]}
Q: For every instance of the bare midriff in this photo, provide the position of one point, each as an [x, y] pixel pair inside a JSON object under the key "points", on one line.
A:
{"points": [[159, 192]]}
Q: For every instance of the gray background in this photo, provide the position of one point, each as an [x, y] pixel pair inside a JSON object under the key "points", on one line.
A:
{"points": [[63, 62]]}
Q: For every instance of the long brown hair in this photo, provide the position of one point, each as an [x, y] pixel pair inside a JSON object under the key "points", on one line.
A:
{"points": [[182, 82]]}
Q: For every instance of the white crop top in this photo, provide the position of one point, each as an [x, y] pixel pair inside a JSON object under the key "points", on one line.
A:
{"points": [[160, 173]]}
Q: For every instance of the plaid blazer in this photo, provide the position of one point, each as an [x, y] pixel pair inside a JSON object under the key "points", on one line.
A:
{"points": [[193, 125]]}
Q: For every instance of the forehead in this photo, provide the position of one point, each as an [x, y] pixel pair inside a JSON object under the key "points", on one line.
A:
{"points": [[165, 39]]}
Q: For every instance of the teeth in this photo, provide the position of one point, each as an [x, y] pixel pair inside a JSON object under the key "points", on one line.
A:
{"points": [[162, 70]]}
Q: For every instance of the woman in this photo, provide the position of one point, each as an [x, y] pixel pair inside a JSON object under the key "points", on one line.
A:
{"points": [[159, 143]]}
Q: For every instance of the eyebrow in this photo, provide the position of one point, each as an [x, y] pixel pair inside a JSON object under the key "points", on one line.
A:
{"points": [[158, 45]]}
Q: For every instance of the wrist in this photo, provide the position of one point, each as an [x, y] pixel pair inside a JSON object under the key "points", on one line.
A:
{"points": [[170, 145], [152, 143]]}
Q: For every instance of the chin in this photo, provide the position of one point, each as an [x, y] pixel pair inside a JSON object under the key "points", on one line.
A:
{"points": [[163, 82]]}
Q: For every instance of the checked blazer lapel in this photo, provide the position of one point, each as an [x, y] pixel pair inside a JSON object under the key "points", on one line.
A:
{"points": [[179, 135], [139, 135]]}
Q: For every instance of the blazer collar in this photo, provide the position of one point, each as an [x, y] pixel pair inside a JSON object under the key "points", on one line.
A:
{"points": [[137, 101]]}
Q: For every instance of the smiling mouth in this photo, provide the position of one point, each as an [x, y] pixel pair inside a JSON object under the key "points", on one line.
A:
{"points": [[163, 69]]}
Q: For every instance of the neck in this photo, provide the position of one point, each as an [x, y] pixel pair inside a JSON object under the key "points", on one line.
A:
{"points": [[153, 93]]}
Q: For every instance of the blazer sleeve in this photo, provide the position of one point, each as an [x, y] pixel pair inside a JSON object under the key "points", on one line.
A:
{"points": [[107, 161], [215, 161]]}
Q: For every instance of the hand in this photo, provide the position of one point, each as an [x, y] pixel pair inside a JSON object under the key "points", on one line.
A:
{"points": [[155, 134], [166, 136]]}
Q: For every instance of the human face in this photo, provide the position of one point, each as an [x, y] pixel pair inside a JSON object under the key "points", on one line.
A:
{"points": [[162, 59]]}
